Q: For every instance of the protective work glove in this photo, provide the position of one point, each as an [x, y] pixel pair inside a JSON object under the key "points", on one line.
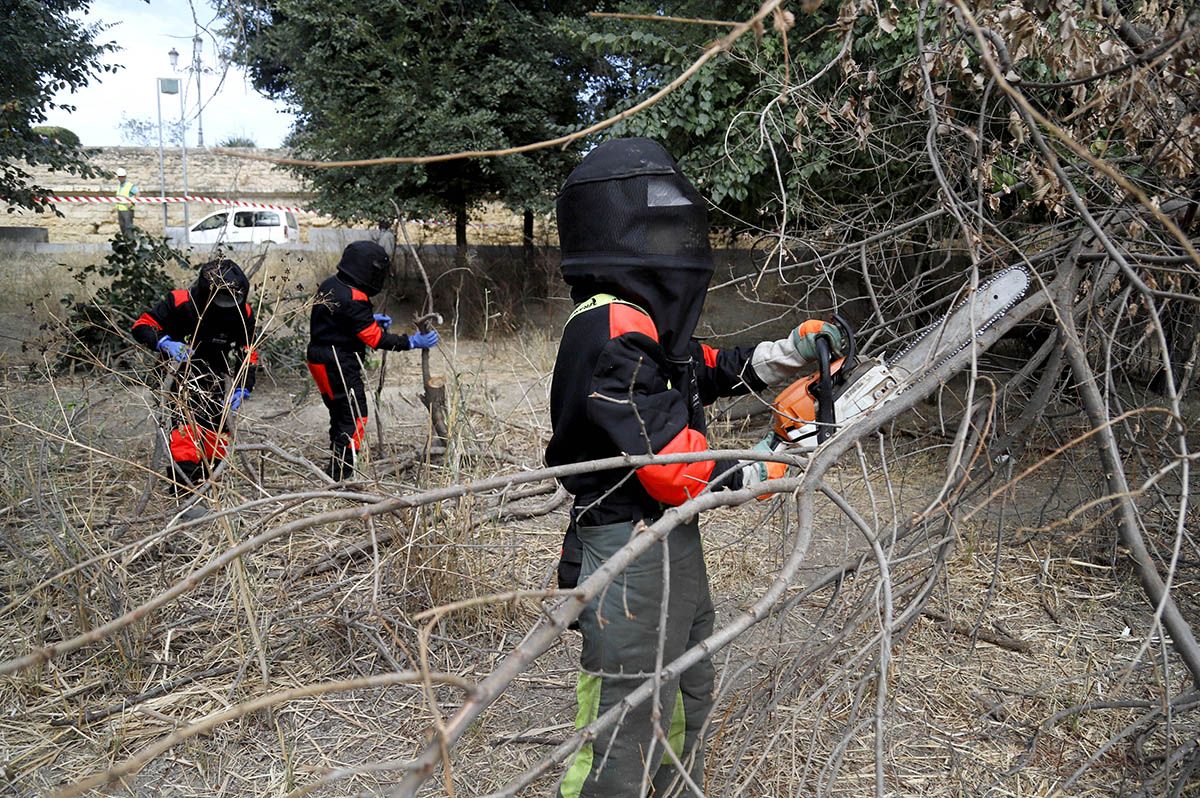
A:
{"points": [[173, 348], [383, 320], [238, 396], [423, 340], [756, 472], [804, 338]]}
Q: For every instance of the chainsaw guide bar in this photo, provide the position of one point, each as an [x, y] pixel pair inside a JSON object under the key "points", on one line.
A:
{"points": [[868, 383], [945, 338]]}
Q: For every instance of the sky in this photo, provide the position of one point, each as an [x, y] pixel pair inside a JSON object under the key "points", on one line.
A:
{"points": [[146, 32]]}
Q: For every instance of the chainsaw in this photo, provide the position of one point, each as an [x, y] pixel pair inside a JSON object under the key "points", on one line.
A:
{"points": [[811, 408]]}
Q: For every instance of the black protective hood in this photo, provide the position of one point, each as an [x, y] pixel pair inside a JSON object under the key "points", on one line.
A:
{"points": [[630, 224], [221, 285], [364, 265]]}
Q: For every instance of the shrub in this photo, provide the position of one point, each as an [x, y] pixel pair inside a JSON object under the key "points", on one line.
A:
{"points": [[238, 141], [99, 327], [59, 134]]}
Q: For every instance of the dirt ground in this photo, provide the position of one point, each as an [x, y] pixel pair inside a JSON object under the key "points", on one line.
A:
{"points": [[1031, 611]]}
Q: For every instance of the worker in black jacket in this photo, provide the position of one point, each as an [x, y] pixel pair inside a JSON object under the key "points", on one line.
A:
{"points": [[630, 379], [209, 330], [343, 324]]}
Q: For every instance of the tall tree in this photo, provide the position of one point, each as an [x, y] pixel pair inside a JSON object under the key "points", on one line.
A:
{"points": [[703, 123], [413, 77], [44, 49]]}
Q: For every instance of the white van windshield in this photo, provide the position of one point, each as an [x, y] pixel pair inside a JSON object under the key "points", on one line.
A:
{"points": [[212, 222]]}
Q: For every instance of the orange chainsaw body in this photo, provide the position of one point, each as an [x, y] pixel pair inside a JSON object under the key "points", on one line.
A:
{"points": [[796, 406]]}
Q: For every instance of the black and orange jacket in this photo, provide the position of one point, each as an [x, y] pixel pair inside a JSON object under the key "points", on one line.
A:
{"points": [[612, 393], [343, 319], [221, 339]]}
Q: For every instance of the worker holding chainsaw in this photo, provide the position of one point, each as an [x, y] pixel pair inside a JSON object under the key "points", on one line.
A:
{"points": [[630, 379], [343, 324], [208, 331]]}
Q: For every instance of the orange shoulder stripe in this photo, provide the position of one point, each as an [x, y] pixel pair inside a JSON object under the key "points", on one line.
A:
{"points": [[180, 296], [359, 296], [624, 318]]}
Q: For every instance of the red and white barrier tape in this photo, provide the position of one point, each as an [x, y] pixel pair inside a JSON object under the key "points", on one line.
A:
{"points": [[151, 200]]}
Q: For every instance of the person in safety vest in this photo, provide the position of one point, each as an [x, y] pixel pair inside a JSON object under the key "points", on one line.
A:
{"points": [[629, 378], [126, 189], [208, 330], [343, 324]]}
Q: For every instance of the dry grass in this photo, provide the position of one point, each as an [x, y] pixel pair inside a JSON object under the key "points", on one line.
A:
{"points": [[794, 714]]}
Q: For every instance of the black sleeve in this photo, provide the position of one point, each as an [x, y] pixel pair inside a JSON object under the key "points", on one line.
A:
{"points": [[724, 372], [394, 343], [149, 327], [359, 317]]}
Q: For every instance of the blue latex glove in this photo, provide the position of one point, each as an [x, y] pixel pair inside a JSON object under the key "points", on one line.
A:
{"points": [[423, 340], [238, 396], [173, 348], [383, 320]]}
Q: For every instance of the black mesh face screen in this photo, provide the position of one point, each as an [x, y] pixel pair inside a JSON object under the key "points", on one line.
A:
{"points": [[615, 220], [630, 223]]}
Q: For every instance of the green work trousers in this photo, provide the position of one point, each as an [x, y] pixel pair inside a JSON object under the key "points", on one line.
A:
{"points": [[621, 636]]}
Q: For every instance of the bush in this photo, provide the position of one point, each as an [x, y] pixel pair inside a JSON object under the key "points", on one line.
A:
{"points": [[238, 141], [59, 134], [99, 327]]}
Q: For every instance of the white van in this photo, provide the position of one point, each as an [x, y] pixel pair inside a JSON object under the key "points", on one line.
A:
{"points": [[245, 226]]}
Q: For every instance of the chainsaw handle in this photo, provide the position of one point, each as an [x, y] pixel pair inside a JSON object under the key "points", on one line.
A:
{"points": [[847, 330], [826, 417]]}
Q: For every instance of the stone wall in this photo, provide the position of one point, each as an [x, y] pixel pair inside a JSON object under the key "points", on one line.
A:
{"points": [[221, 176]]}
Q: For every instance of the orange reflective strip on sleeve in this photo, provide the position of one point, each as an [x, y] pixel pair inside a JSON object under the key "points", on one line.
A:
{"points": [[146, 320], [710, 355], [371, 335], [359, 296], [180, 296], [252, 355], [676, 483]]}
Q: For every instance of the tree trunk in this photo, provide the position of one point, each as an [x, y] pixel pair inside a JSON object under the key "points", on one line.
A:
{"points": [[460, 235], [527, 237]]}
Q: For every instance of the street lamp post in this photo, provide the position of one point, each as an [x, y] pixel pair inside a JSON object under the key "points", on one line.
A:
{"points": [[162, 86], [173, 55], [197, 43]]}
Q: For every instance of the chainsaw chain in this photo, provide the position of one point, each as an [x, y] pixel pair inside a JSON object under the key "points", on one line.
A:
{"points": [[980, 330]]}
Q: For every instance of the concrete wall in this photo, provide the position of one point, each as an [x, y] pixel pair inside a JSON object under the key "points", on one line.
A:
{"points": [[214, 175]]}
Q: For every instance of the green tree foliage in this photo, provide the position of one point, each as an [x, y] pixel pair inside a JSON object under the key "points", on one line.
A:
{"points": [[44, 49], [770, 119], [414, 77], [702, 123]]}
